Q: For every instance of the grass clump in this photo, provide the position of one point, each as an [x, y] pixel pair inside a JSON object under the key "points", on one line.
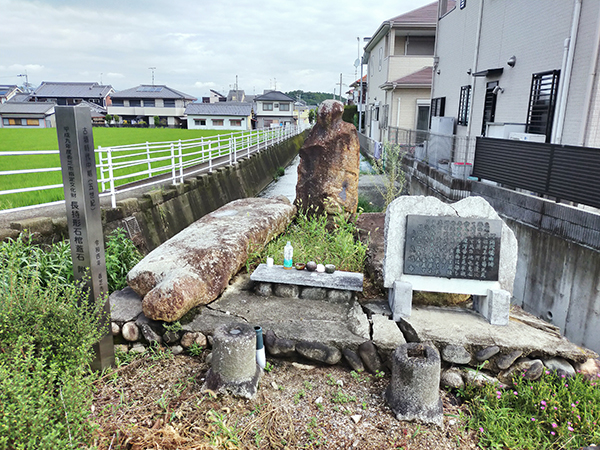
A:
{"points": [[46, 340], [315, 239], [53, 264], [551, 413], [121, 256]]}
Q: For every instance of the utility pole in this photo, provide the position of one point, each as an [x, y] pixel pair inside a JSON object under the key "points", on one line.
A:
{"points": [[26, 84], [152, 69], [340, 83]]}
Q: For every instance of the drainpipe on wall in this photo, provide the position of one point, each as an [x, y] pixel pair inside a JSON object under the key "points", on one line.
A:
{"points": [[474, 67], [590, 88], [559, 119]]}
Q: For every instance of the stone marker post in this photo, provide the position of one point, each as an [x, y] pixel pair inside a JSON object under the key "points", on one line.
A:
{"points": [[80, 182]]}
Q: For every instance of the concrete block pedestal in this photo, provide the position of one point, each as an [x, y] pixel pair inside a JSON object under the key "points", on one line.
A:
{"points": [[400, 300], [233, 368], [413, 393]]}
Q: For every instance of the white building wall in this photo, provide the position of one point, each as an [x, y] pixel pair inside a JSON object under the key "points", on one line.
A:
{"points": [[408, 107], [191, 119], [534, 32], [577, 108]]}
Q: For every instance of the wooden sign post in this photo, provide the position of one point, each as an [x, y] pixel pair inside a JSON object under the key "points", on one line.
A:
{"points": [[80, 182]]}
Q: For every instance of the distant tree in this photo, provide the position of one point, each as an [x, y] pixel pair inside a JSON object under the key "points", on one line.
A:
{"points": [[156, 121], [108, 119], [310, 98], [312, 115], [116, 118]]}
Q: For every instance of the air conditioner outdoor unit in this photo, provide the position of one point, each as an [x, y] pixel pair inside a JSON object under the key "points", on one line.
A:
{"points": [[527, 137]]}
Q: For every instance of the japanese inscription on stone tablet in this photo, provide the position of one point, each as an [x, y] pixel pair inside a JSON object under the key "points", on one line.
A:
{"points": [[452, 247], [84, 219]]}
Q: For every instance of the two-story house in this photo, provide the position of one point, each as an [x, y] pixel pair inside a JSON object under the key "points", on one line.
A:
{"points": [[144, 102], [399, 57], [274, 108], [520, 69], [68, 93]]}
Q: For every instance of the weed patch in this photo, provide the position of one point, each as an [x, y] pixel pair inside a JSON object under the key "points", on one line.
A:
{"points": [[314, 239], [551, 413]]}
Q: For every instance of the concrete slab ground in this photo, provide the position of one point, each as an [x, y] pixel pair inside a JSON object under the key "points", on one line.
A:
{"points": [[337, 324], [459, 326]]}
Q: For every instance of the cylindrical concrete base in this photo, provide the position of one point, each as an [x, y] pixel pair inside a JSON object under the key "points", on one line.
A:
{"points": [[233, 366], [413, 393]]}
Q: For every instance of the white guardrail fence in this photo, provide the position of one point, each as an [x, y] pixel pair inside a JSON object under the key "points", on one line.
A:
{"points": [[159, 162]]}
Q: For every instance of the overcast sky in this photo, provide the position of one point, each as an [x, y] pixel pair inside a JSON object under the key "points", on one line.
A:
{"points": [[195, 45]]}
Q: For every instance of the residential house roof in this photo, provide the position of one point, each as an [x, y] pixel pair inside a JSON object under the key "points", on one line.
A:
{"points": [[148, 91], [96, 110], [71, 90], [218, 94], [19, 98], [219, 109], [420, 78], [425, 15], [275, 96], [7, 89], [26, 108], [236, 95], [357, 82]]}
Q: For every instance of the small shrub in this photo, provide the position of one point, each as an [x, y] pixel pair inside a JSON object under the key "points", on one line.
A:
{"points": [[53, 263], [349, 113], [121, 256], [172, 327], [365, 205], [46, 339], [195, 349]]}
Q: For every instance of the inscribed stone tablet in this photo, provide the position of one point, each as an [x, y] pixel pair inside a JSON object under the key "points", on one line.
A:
{"points": [[452, 247]]}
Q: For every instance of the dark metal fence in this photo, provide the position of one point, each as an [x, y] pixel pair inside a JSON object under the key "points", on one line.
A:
{"points": [[560, 171]]}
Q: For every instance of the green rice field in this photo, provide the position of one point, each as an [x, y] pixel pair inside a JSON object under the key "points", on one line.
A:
{"points": [[46, 139]]}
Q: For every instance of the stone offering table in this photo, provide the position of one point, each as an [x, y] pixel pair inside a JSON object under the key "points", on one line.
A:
{"points": [[339, 280]]}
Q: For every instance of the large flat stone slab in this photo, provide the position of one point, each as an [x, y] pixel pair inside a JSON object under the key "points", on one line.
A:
{"points": [[125, 305], [458, 326], [337, 324], [348, 281]]}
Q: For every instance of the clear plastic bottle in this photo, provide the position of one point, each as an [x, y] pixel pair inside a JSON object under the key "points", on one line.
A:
{"points": [[288, 254]]}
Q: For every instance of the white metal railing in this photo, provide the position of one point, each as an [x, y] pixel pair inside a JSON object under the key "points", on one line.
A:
{"points": [[160, 162]]}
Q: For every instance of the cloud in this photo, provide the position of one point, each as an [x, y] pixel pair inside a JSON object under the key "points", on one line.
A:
{"points": [[194, 45]]}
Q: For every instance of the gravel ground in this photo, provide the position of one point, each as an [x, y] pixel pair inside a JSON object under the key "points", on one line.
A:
{"points": [[155, 403]]}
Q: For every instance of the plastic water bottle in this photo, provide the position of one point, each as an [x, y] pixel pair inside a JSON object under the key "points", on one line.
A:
{"points": [[288, 254]]}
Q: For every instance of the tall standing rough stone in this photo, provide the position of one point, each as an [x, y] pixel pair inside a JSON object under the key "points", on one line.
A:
{"points": [[329, 164]]}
